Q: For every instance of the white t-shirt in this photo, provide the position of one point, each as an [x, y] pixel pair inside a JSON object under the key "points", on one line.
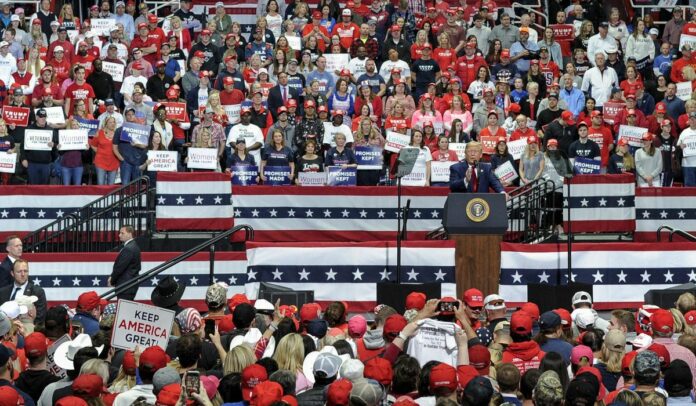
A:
{"points": [[251, 133], [688, 161], [434, 341], [357, 67], [330, 132], [387, 66]]}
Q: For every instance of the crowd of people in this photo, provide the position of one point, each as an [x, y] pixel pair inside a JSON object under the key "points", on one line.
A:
{"points": [[310, 87]]}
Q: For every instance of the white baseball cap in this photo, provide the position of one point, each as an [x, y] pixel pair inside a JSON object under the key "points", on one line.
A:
{"points": [[56, 49], [582, 297], [493, 298]]}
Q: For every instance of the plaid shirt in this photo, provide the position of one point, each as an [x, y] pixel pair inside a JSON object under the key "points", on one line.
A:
{"points": [[371, 45], [217, 133]]}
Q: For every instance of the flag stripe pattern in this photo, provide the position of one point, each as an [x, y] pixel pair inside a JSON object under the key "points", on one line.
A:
{"points": [[599, 203]]}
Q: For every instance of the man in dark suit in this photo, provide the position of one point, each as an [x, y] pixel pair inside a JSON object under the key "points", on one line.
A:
{"points": [[13, 245], [127, 264], [22, 286], [471, 175], [281, 93]]}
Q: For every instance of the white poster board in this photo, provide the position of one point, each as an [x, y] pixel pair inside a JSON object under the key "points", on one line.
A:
{"points": [[202, 158], [50, 363], [687, 39], [505, 172], [336, 62], [396, 141], [8, 162], [632, 134], [103, 26], [70, 140], [415, 178], [142, 325], [232, 111], [516, 148], [458, 148], [116, 70], [294, 42], [684, 90], [690, 143], [162, 161], [37, 140], [311, 178], [54, 115], [440, 171]]}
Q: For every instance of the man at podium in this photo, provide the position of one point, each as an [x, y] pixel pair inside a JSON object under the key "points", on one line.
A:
{"points": [[471, 175]]}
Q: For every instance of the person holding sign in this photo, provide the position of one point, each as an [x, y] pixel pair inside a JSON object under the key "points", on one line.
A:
{"points": [[35, 157], [71, 160], [277, 154], [583, 147], [340, 155], [501, 156], [648, 163], [687, 143], [7, 146], [622, 160], [131, 153], [310, 161], [471, 175]]}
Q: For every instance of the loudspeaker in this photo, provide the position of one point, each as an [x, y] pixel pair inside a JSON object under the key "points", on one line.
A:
{"points": [[553, 297], [394, 294], [287, 296], [665, 298]]}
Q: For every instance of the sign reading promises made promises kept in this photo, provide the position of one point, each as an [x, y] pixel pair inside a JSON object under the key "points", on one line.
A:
{"points": [[142, 325]]}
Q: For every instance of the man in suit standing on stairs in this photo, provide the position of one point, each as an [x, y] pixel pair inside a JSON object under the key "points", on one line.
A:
{"points": [[13, 245], [127, 264], [21, 285]]}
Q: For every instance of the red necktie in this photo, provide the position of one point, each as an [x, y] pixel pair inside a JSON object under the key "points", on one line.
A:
{"points": [[474, 179]]}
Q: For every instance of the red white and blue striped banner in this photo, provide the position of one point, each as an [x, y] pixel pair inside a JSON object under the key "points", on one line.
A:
{"points": [[193, 201], [24, 209], [621, 273], [658, 206], [292, 213], [600, 203]]}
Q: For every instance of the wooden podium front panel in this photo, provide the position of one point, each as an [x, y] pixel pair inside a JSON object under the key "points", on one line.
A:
{"points": [[477, 262]]}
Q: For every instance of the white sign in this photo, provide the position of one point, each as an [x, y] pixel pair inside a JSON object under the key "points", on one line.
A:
{"points": [[50, 363], [72, 36], [8, 162], [203, 158], [54, 115], [232, 111], [396, 141], [336, 62], [73, 140], [506, 173], [516, 148], [311, 178], [632, 134], [114, 69], [684, 90], [162, 161], [415, 178], [138, 324], [440, 171], [37, 140], [458, 148], [331, 131], [182, 65], [687, 39], [295, 42], [690, 143], [103, 26]]}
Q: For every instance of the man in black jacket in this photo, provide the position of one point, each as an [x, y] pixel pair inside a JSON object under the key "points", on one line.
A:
{"points": [[38, 161], [13, 245], [159, 83], [101, 82], [127, 265], [21, 285]]}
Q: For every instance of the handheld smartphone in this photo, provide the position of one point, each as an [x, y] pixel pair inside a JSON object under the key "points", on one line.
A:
{"points": [[77, 329], [192, 383], [447, 306], [209, 328]]}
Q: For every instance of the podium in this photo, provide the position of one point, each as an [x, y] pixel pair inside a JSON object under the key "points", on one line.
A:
{"points": [[476, 222]]}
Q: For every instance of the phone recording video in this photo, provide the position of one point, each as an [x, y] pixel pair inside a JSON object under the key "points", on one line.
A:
{"points": [[192, 383]]}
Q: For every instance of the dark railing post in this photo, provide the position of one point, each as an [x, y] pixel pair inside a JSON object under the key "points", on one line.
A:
{"points": [[212, 264]]}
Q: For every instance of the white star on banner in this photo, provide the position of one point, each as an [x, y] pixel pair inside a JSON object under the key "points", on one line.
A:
{"points": [[59, 213], [646, 214], [327, 213], [5, 213], [254, 213], [565, 202], [233, 280], [663, 214], [363, 214], [572, 276], [517, 277], [251, 274], [161, 200], [154, 281], [645, 276], [180, 200], [238, 213], [277, 274], [199, 200], [602, 202], [668, 276], [41, 213], [331, 275], [304, 275], [309, 213], [439, 275], [621, 201], [435, 214], [76, 281], [413, 275], [291, 213], [95, 281], [692, 276], [37, 281], [357, 274], [622, 276], [273, 212], [417, 214], [584, 202], [345, 213], [681, 214], [381, 214], [23, 213], [544, 277], [218, 200], [385, 274], [598, 276], [193, 281], [56, 282]]}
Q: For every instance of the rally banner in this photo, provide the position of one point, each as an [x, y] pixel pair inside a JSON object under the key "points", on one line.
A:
{"points": [[440, 171], [684, 90], [600, 203], [586, 166], [277, 175], [50, 361], [658, 206], [311, 178], [611, 109], [135, 133], [162, 161], [37, 140], [458, 148], [202, 158], [417, 177], [116, 70], [633, 135], [92, 126], [369, 157], [563, 32], [73, 140], [193, 201], [16, 115], [141, 325], [687, 39], [364, 213], [245, 175], [396, 141], [8, 162], [232, 111], [338, 176], [506, 173], [516, 148], [620, 273], [175, 110], [690, 146], [489, 143]]}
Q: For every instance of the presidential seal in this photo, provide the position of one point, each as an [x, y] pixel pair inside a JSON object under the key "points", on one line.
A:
{"points": [[477, 210]]}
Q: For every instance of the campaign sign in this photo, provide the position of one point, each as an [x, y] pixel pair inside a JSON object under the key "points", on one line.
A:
{"points": [[37, 140], [586, 166], [396, 141], [294, 42], [277, 175], [162, 161], [202, 158], [336, 62], [8, 162], [232, 111], [103, 26], [70, 140], [440, 171], [563, 32], [135, 133], [611, 110], [139, 324], [54, 115], [506, 173], [244, 175], [516, 148], [116, 70], [488, 143], [687, 39], [690, 143], [415, 178], [50, 363], [175, 110], [369, 157], [92, 126], [311, 178], [684, 90], [458, 148], [341, 176], [632, 134], [16, 115]]}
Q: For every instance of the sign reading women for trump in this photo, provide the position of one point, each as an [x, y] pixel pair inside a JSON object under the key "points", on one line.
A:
{"points": [[135, 133], [458, 148], [202, 158], [341, 176], [162, 161], [7, 162], [138, 324], [369, 157], [505, 172], [244, 175], [276, 175], [440, 171], [73, 140], [516, 148], [311, 178]]}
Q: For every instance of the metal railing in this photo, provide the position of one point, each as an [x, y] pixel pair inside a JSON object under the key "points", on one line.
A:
{"points": [[94, 227], [538, 14], [210, 245], [672, 232], [531, 209]]}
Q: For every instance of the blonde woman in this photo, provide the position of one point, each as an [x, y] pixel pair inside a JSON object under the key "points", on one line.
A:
{"points": [[406, 100], [301, 17], [182, 35], [219, 114], [532, 162], [125, 379], [611, 354], [204, 139], [417, 47], [33, 35], [67, 19], [238, 358], [289, 355]]}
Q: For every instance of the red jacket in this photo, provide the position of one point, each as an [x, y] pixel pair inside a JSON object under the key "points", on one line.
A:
{"points": [[525, 355], [467, 68]]}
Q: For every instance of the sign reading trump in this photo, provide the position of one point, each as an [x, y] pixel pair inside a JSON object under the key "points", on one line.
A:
{"points": [[141, 325]]}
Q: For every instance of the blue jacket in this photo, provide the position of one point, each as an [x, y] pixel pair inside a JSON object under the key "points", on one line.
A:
{"points": [[486, 178], [575, 99], [89, 323]]}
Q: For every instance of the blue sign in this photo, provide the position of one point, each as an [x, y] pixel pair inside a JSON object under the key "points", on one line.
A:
{"points": [[277, 175], [369, 157], [342, 176], [135, 133], [586, 166], [244, 175], [90, 125]]}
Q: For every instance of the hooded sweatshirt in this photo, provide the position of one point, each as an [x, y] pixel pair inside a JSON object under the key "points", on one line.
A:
{"points": [[525, 355], [371, 345]]}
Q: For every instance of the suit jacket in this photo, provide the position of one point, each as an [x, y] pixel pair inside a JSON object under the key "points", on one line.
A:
{"points": [[484, 174], [127, 265], [5, 269], [275, 99], [30, 290]]}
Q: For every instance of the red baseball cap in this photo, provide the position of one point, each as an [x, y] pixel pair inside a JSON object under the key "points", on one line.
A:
{"points": [[630, 95], [322, 109], [473, 297], [316, 15], [155, 357], [630, 112], [128, 363], [338, 393], [228, 80], [237, 299], [169, 395], [69, 400], [521, 323], [137, 65], [480, 358], [395, 70], [396, 27], [9, 396], [415, 300], [231, 57], [660, 107], [90, 300], [662, 354], [622, 142], [282, 109], [160, 63], [532, 310], [662, 321], [203, 74], [533, 140], [199, 54], [205, 32], [152, 18], [394, 324], [308, 104], [690, 317], [405, 401], [252, 375], [172, 94], [567, 116], [142, 25], [35, 345], [515, 108], [505, 53], [379, 369], [344, 72], [566, 319], [225, 325], [266, 393], [595, 113], [90, 385], [626, 363], [443, 376], [291, 103]]}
